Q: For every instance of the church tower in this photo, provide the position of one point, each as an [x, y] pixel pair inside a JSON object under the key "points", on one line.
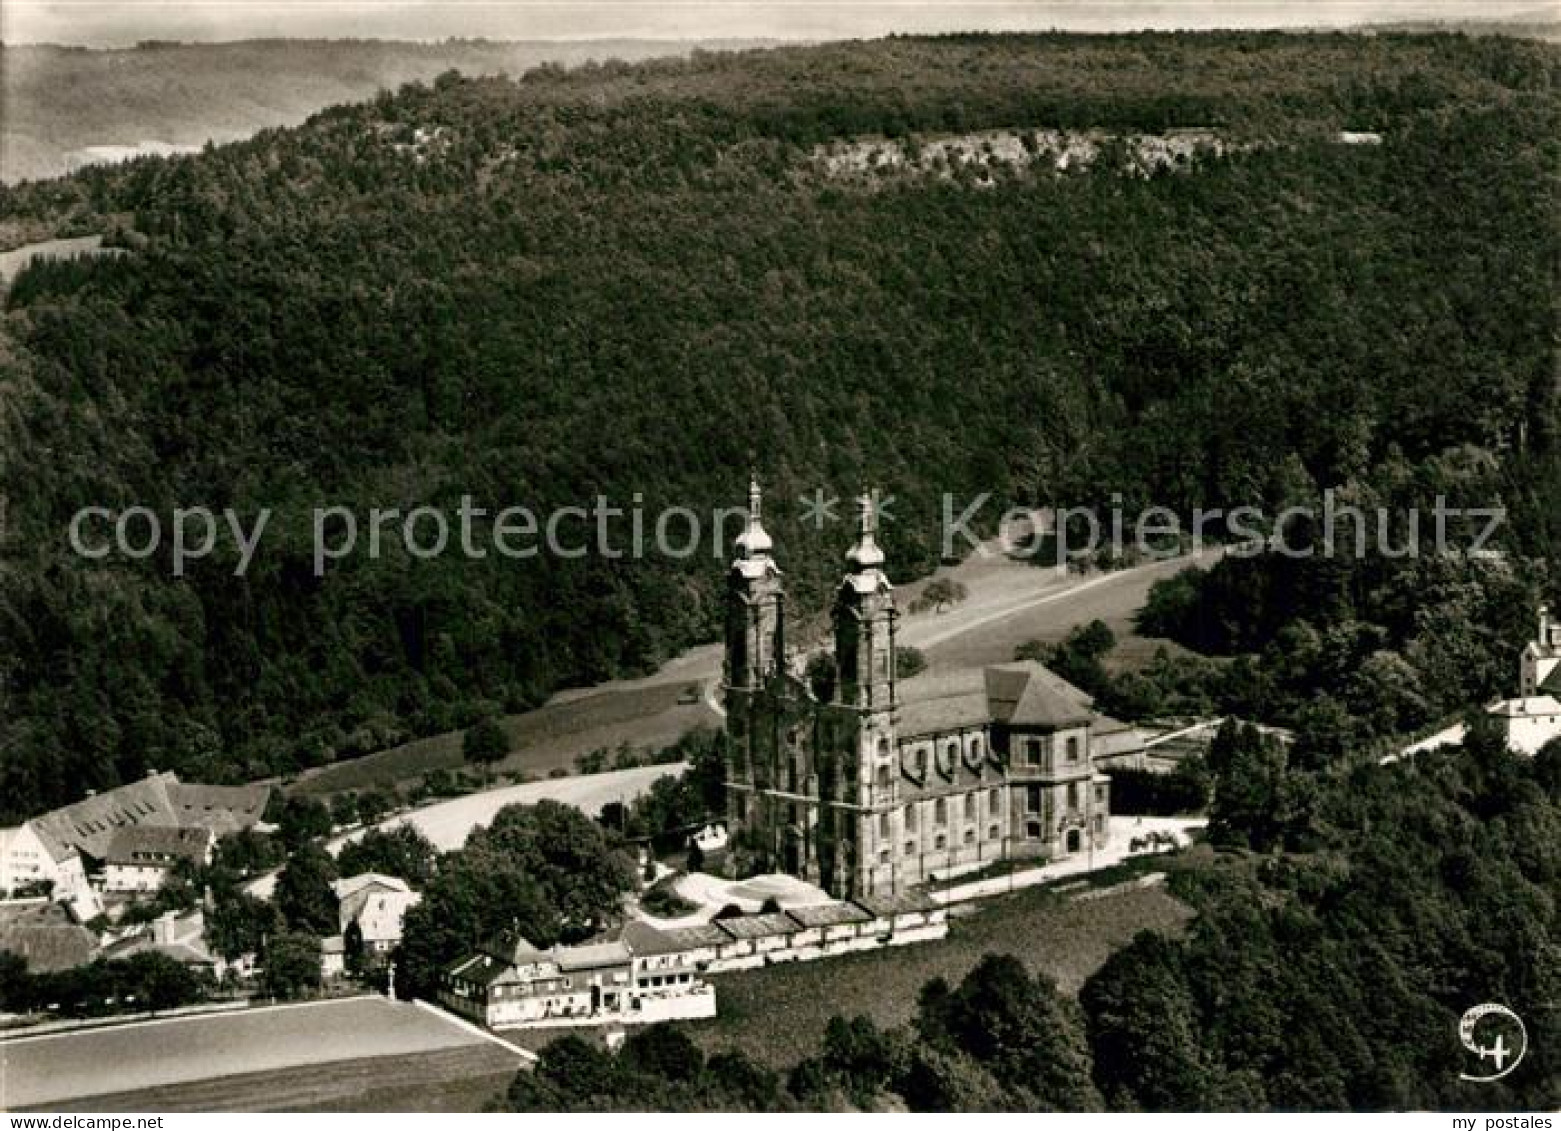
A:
{"points": [[755, 608], [865, 619], [866, 781]]}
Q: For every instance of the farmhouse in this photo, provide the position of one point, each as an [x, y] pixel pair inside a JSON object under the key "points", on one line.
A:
{"points": [[139, 859], [373, 906], [881, 784], [175, 935], [65, 847]]}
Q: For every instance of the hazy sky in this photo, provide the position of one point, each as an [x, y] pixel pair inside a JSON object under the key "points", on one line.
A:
{"points": [[98, 23]]}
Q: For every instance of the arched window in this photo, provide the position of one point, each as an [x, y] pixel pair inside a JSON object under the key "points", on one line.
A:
{"points": [[970, 807], [995, 801], [953, 752], [975, 748], [940, 811], [910, 818], [883, 777], [883, 747], [970, 836]]}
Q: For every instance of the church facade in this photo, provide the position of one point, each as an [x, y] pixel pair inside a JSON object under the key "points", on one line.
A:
{"points": [[883, 784]]}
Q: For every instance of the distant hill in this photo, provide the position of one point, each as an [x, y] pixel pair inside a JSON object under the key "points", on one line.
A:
{"points": [[68, 106]]}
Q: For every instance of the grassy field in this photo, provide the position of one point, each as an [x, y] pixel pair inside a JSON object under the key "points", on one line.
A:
{"points": [[49, 1070], [542, 741], [458, 1079]]}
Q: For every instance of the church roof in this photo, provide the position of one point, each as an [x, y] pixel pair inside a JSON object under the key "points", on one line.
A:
{"points": [[1025, 694], [947, 701], [1021, 694], [1551, 684]]}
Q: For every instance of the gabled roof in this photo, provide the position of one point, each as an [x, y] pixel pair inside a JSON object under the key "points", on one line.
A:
{"points": [[1534, 705], [377, 913], [351, 885], [1020, 694], [900, 903], [144, 845], [758, 926], [1025, 694], [514, 950], [158, 800], [46, 935], [828, 915], [483, 969], [1551, 684], [89, 825], [642, 938], [221, 808], [591, 956]]}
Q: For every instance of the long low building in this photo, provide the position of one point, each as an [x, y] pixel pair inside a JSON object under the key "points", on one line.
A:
{"points": [[64, 849], [658, 974]]}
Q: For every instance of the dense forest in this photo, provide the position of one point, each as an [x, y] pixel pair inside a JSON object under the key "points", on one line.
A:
{"points": [[639, 279]]}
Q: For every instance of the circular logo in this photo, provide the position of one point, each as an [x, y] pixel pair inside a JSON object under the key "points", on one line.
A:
{"points": [[1496, 1035]]}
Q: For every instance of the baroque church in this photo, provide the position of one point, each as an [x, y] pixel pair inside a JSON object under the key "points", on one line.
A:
{"points": [[885, 784]]}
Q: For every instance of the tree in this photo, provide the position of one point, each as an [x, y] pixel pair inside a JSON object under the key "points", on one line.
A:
{"points": [[344, 810], [302, 819], [485, 743], [292, 965], [1019, 1029], [941, 592], [401, 851], [1258, 800], [663, 1051], [303, 891], [1143, 1030], [240, 924], [546, 872], [751, 1086]]}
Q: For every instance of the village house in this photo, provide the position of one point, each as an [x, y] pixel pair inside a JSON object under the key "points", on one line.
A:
{"points": [[180, 936], [140, 859], [370, 908]]}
